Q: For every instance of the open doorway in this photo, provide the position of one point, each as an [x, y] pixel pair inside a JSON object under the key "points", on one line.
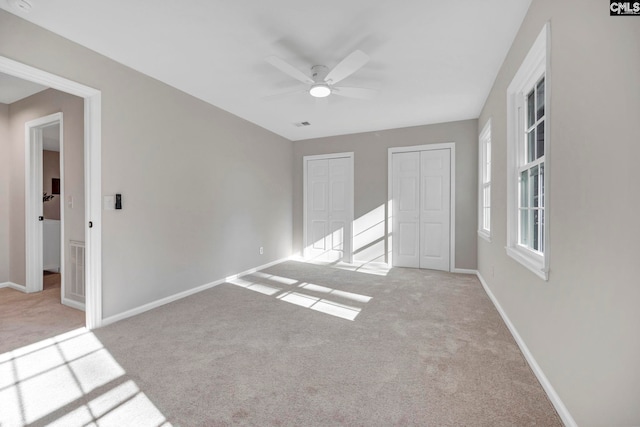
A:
{"points": [[92, 188], [54, 222], [52, 186]]}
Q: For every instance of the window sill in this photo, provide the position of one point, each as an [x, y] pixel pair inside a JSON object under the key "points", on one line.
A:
{"points": [[531, 261], [486, 236]]}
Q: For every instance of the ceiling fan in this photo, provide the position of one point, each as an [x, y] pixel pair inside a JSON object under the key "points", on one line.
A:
{"points": [[322, 80]]}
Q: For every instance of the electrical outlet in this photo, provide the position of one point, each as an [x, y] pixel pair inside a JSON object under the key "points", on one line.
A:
{"points": [[261, 250]]}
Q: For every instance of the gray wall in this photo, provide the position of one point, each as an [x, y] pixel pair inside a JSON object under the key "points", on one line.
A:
{"points": [[370, 181], [4, 193], [582, 325], [202, 189], [39, 105]]}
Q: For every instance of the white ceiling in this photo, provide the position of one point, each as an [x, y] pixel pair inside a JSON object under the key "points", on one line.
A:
{"points": [[432, 61], [13, 89]]}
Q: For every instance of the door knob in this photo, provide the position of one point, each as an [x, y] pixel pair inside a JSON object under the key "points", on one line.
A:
{"points": [[40, 218]]}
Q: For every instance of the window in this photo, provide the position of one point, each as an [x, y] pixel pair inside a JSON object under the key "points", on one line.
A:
{"points": [[527, 154], [531, 173], [484, 196]]}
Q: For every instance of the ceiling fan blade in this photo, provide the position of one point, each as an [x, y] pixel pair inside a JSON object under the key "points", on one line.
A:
{"points": [[355, 92], [347, 66], [289, 69]]}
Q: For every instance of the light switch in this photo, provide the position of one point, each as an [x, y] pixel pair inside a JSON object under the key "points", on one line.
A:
{"points": [[70, 201], [109, 203]]}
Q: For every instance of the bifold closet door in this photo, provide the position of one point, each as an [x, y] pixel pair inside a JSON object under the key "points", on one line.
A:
{"points": [[421, 209], [435, 209], [327, 211], [406, 209]]}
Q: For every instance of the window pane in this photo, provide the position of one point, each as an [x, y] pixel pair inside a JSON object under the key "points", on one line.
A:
{"points": [[534, 185], [536, 213], [487, 218], [488, 162], [487, 209], [486, 197], [542, 184], [540, 140], [524, 227], [524, 189], [541, 231], [531, 145], [540, 99], [530, 109]]}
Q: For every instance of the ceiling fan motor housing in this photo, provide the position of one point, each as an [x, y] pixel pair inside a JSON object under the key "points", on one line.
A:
{"points": [[319, 73]]}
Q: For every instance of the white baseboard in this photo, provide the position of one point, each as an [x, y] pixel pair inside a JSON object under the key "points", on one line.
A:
{"points": [[253, 270], [464, 271], [73, 304], [562, 410], [14, 286], [184, 294]]}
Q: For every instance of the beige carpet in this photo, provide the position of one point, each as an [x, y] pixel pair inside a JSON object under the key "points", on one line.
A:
{"points": [[29, 318], [295, 345]]}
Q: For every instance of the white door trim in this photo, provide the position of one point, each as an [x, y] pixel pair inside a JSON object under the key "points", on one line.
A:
{"points": [[92, 175], [426, 147], [305, 159], [33, 200]]}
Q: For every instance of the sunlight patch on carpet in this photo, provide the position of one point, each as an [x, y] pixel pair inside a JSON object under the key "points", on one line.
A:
{"points": [[273, 277], [256, 287], [322, 305], [375, 268], [336, 292], [261, 282], [70, 379]]}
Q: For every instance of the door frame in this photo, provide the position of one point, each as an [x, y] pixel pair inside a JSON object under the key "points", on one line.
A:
{"points": [[348, 256], [451, 146], [92, 175], [33, 199]]}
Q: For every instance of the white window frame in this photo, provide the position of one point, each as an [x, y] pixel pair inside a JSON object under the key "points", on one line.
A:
{"points": [[535, 65], [484, 181]]}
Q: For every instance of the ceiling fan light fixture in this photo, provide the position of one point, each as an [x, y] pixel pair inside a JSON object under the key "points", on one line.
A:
{"points": [[321, 90]]}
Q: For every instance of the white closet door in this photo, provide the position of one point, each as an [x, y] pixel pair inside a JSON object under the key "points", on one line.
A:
{"points": [[421, 209], [317, 208], [329, 196], [339, 224], [406, 209], [435, 209]]}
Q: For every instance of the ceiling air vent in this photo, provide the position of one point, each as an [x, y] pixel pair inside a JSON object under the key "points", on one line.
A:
{"points": [[302, 124], [23, 5]]}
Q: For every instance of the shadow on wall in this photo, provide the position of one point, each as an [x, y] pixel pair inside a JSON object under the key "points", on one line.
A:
{"points": [[369, 242], [369, 236]]}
